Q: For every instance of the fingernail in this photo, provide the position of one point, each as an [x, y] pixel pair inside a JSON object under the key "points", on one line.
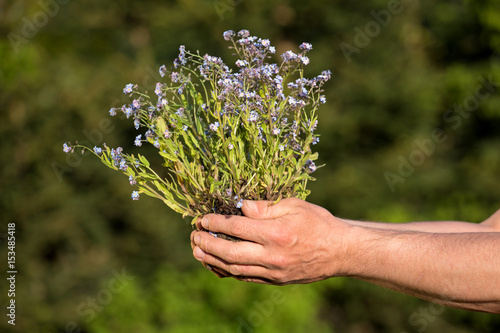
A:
{"points": [[199, 254], [197, 239], [204, 223]]}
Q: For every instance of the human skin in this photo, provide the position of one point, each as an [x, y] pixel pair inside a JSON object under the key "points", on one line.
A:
{"points": [[447, 262]]}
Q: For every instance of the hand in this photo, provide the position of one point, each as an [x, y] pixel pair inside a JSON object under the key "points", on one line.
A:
{"points": [[290, 242]]}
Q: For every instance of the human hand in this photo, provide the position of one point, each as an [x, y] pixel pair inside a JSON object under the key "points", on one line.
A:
{"points": [[290, 242]]}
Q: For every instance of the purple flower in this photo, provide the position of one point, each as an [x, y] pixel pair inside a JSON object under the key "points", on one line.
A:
{"points": [[288, 55], [306, 47], [265, 42], [243, 33], [167, 134], [135, 195], [175, 77], [136, 104], [228, 34], [132, 180]]}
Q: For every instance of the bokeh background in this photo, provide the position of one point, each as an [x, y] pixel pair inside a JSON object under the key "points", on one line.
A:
{"points": [[92, 260]]}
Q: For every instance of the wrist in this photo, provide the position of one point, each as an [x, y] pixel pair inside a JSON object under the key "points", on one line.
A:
{"points": [[346, 252], [363, 249]]}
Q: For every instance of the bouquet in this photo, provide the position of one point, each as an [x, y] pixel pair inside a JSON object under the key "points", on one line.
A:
{"points": [[224, 135]]}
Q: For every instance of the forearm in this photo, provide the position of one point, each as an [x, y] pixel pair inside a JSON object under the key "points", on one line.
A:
{"points": [[433, 226], [458, 270]]}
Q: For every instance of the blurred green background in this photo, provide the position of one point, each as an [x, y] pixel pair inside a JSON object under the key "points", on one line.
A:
{"points": [[91, 260]]}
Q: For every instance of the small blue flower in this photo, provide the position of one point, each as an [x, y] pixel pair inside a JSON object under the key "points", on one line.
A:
{"points": [[98, 150], [276, 131], [138, 141], [306, 47], [135, 195], [241, 63], [253, 117], [156, 144], [311, 167], [162, 70], [132, 180], [322, 99], [128, 88], [243, 33], [158, 88], [67, 149], [288, 55], [185, 128], [112, 112], [123, 165], [214, 126], [228, 34], [315, 140], [175, 77], [305, 60], [239, 204], [128, 112]]}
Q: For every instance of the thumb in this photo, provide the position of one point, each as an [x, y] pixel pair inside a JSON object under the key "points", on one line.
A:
{"points": [[261, 210]]}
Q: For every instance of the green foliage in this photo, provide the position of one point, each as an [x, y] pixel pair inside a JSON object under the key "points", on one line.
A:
{"points": [[181, 302], [76, 223], [224, 136]]}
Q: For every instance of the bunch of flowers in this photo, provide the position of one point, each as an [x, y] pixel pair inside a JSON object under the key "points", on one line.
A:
{"points": [[223, 135]]}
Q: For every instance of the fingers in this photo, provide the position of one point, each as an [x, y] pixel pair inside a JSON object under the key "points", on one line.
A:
{"points": [[224, 269], [237, 226], [234, 252]]}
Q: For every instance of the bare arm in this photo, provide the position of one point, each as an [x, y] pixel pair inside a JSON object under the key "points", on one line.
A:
{"points": [[490, 225], [452, 263]]}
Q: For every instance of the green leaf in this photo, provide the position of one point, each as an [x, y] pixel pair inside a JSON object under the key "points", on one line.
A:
{"points": [[144, 161]]}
